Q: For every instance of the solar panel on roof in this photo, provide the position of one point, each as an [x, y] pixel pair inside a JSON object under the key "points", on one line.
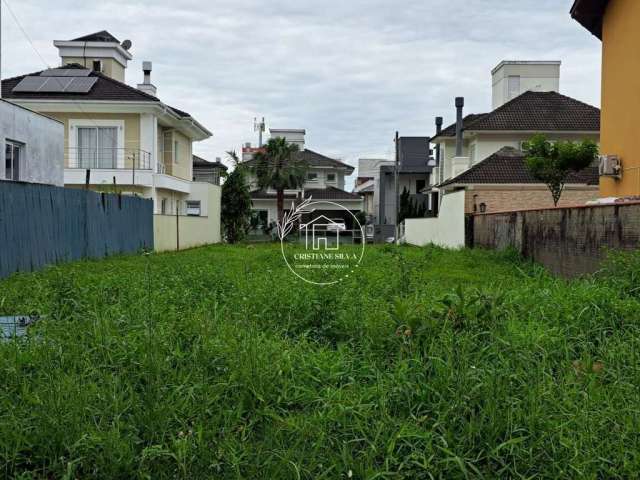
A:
{"points": [[66, 72], [29, 84], [81, 85], [55, 85]]}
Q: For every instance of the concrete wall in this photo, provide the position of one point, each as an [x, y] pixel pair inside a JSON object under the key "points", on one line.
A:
{"points": [[568, 241], [173, 232], [43, 144], [445, 230], [621, 95]]}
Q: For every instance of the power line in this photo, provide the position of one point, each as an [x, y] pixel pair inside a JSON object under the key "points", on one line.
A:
{"points": [[24, 32]]}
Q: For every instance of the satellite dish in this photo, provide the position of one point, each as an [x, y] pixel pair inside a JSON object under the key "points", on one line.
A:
{"points": [[126, 44]]}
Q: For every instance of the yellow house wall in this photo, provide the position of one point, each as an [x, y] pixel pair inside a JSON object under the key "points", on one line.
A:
{"points": [[183, 168], [110, 67], [621, 95], [193, 231], [131, 129]]}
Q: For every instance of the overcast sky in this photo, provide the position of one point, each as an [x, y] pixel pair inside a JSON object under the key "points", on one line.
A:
{"points": [[351, 72]]}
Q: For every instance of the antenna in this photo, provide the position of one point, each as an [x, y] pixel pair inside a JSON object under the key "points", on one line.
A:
{"points": [[259, 126], [126, 45]]}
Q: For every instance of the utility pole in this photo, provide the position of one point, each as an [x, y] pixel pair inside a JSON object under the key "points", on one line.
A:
{"points": [[397, 202]]}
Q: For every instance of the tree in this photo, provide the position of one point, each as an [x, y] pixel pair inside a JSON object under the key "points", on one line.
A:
{"points": [[410, 207], [280, 167], [236, 202], [552, 163]]}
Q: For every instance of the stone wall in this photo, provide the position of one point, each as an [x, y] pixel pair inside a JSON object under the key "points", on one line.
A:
{"points": [[568, 241]]}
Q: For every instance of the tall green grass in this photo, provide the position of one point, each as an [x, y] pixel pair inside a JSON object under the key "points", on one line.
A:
{"points": [[219, 363]]}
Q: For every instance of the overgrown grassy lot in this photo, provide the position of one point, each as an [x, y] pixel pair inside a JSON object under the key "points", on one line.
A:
{"points": [[219, 363]]}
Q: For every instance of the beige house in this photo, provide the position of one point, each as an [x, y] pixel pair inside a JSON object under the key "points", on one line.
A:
{"points": [[122, 138]]}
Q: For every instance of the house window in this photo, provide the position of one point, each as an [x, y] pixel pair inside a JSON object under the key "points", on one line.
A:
{"points": [[312, 177], [175, 151], [163, 206], [193, 208], [514, 86], [13, 153], [420, 185], [97, 66], [97, 147], [331, 177]]}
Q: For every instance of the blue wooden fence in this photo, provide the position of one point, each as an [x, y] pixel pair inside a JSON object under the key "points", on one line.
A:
{"points": [[43, 224]]}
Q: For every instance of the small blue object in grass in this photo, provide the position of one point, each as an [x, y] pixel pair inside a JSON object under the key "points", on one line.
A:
{"points": [[15, 326]]}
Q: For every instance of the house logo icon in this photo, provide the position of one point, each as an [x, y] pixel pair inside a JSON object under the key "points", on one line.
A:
{"points": [[317, 232], [315, 243]]}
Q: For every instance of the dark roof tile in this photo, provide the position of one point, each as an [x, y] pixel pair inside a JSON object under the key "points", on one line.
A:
{"points": [[508, 166], [105, 88], [101, 36], [589, 13], [199, 162], [535, 112], [315, 159]]}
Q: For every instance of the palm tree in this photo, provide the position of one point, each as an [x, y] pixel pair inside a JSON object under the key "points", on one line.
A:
{"points": [[280, 167]]}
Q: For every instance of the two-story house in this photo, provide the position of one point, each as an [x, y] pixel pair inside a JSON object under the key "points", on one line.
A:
{"points": [[615, 23], [116, 137], [482, 153], [325, 183]]}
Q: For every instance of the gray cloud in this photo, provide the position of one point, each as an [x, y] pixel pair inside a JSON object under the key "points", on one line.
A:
{"points": [[351, 72]]}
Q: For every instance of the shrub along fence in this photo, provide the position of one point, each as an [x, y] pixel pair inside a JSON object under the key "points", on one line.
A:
{"points": [[43, 224], [569, 241]]}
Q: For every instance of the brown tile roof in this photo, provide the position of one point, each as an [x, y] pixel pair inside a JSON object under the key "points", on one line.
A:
{"points": [[105, 89], [535, 112], [589, 13], [329, 193], [450, 131], [508, 166], [315, 159], [199, 162]]}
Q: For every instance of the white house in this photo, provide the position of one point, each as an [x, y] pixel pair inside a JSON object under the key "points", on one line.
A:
{"points": [[325, 182], [32, 146], [528, 102]]}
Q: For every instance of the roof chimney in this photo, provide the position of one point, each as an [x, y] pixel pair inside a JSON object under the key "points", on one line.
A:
{"points": [[459, 107], [146, 86]]}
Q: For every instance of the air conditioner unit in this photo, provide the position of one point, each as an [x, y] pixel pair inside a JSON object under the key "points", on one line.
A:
{"points": [[610, 166]]}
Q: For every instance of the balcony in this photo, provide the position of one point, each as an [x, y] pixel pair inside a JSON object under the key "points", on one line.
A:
{"points": [[107, 159], [120, 166], [108, 166]]}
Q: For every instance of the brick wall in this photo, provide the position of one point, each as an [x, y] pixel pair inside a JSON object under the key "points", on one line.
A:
{"points": [[502, 199], [568, 241]]}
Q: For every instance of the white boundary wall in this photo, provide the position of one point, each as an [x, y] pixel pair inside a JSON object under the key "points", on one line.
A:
{"points": [[446, 230]]}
